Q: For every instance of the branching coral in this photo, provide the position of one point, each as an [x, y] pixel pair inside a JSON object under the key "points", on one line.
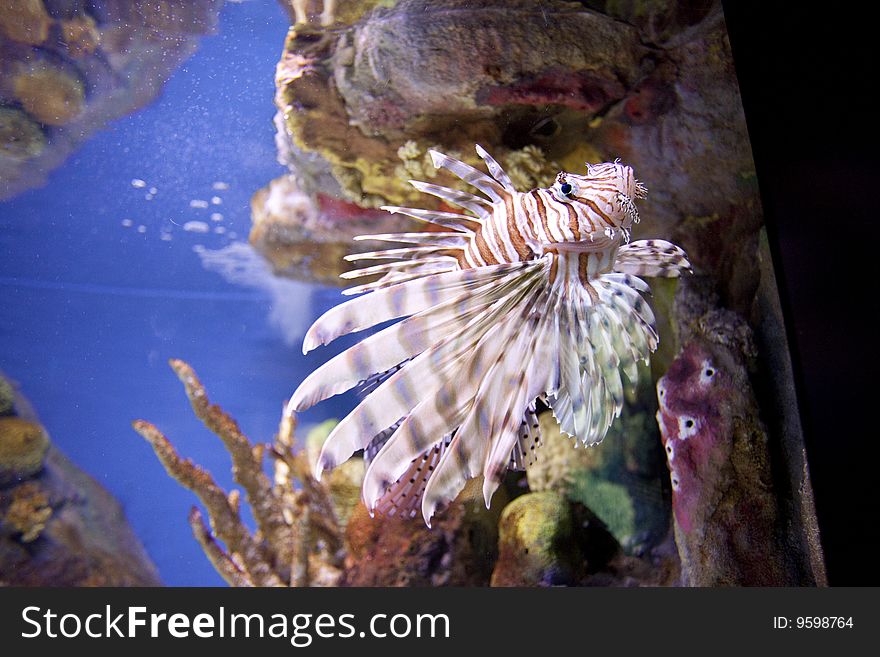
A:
{"points": [[298, 541]]}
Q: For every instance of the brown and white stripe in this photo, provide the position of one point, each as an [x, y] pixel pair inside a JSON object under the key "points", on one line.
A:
{"points": [[530, 294]]}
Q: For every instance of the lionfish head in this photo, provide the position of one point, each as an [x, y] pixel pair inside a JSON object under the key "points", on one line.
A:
{"points": [[612, 184]]}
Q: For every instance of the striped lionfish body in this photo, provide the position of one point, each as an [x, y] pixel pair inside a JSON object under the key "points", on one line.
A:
{"points": [[530, 295]]}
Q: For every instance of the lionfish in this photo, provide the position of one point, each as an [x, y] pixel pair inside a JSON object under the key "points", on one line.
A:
{"points": [[528, 298]]}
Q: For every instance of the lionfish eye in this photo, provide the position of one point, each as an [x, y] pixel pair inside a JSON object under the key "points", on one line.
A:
{"points": [[566, 189]]}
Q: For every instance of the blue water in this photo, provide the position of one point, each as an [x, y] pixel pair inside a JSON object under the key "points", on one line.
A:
{"points": [[93, 309]]}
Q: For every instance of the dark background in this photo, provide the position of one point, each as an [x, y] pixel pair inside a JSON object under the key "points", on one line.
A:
{"points": [[807, 78]]}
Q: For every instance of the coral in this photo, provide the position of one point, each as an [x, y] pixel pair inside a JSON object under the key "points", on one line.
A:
{"points": [[298, 540], [306, 237], [528, 167], [7, 397], [25, 21], [28, 512], [619, 479], [427, 93], [23, 447], [51, 95], [610, 501], [20, 136], [96, 61], [559, 459], [344, 482], [80, 35], [59, 527], [458, 550], [545, 540], [723, 498]]}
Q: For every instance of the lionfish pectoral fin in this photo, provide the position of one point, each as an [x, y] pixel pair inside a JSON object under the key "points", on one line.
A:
{"points": [[525, 373], [436, 304], [441, 408], [416, 433], [651, 258], [395, 398], [613, 335], [390, 303], [495, 361]]}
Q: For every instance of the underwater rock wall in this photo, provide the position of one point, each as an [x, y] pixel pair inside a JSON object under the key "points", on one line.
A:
{"points": [[68, 68], [58, 526], [731, 500]]}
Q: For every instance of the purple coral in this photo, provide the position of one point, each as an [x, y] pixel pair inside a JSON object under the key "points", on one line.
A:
{"points": [[694, 427], [727, 521]]}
